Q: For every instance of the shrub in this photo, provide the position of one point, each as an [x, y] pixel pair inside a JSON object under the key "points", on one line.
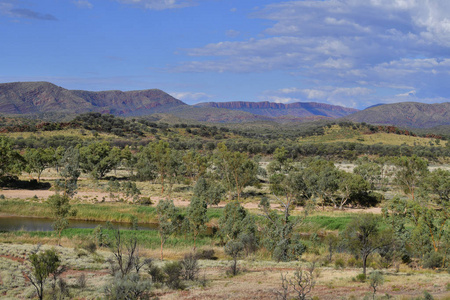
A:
{"points": [[156, 273], [89, 246], [128, 287], [361, 277], [81, 281], [339, 263], [206, 254], [190, 267], [173, 271], [432, 260], [145, 201]]}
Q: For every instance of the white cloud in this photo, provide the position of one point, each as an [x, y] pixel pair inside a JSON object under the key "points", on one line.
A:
{"points": [[160, 4], [191, 97], [394, 45], [232, 33], [82, 3]]}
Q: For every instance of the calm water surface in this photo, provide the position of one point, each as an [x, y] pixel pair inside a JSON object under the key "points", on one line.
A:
{"points": [[38, 224]]}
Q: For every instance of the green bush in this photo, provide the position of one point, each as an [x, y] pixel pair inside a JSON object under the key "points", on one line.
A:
{"points": [[173, 271], [361, 277], [339, 263]]}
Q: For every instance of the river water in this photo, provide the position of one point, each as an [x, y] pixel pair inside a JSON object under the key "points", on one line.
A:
{"points": [[14, 223]]}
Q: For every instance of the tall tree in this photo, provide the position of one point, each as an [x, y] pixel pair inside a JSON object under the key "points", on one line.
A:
{"points": [[61, 210], [11, 162], [363, 236], [167, 214], [410, 172], [37, 160], [99, 158], [236, 169], [197, 217], [43, 265]]}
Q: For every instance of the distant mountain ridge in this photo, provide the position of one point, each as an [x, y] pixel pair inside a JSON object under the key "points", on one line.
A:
{"points": [[405, 114], [42, 97], [46, 101], [271, 109]]}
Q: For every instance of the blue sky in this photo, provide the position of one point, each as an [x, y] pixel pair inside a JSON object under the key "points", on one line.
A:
{"points": [[354, 53]]}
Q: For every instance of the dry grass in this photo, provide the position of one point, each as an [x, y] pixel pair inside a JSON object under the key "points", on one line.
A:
{"points": [[258, 279]]}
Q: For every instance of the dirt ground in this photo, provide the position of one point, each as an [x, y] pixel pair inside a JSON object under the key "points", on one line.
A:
{"points": [[257, 280]]}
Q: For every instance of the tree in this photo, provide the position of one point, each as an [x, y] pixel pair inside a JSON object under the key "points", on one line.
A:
{"points": [[410, 172], [99, 158], [61, 209], [196, 165], [235, 250], [363, 236], [37, 160], [167, 214], [10, 160], [197, 217], [236, 222], [43, 265], [236, 169], [302, 283], [350, 184], [69, 172], [208, 190], [375, 280]]}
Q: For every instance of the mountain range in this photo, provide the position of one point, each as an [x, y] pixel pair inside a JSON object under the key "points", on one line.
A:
{"points": [[49, 100]]}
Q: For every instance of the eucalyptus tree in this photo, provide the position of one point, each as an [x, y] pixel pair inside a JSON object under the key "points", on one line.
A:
{"points": [[196, 215], [37, 160], [363, 236], [236, 170], [99, 158], [167, 214]]}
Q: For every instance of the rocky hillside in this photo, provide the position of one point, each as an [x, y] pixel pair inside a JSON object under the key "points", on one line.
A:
{"points": [[45, 97], [274, 110], [406, 114]]}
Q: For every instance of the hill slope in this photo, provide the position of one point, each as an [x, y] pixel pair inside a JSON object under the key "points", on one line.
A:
{"points": [[275, 110], [405, 114], [45, 97]]}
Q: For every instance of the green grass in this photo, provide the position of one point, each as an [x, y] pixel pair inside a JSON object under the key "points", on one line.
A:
{"points": [[146, 238], [330, 222]]}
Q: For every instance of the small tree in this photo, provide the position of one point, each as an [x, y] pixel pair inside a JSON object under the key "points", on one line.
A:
{"points": [[302, 283], [43, 265], [196, 216], [235, 250], [167, 214], [375, 280], [61, 209], [363, 236]]}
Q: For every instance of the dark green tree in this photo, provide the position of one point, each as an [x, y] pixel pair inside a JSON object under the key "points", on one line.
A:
{"points": [[363, 236], [196, 215], [37, 160], [61, 210], [208, 190], [43, 265], [99, 158], [167, 214]]}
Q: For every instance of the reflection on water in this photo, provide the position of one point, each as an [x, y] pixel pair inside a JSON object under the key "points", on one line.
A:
{"points": [[37, 224]]}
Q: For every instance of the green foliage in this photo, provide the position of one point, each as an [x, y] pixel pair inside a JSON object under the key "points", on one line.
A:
{"points": [[99, 158], [197, 217], [69, 172], [37, 160], [363, 236], [173, 271], [210, 191], [410, 172], [43, 265], [236, 170], [234, 249], [10, 160], [61, 209], [167, 214], [127, 287]]}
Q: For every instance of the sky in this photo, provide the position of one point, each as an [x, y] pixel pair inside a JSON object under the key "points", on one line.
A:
{"points": [[354, 53]]}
